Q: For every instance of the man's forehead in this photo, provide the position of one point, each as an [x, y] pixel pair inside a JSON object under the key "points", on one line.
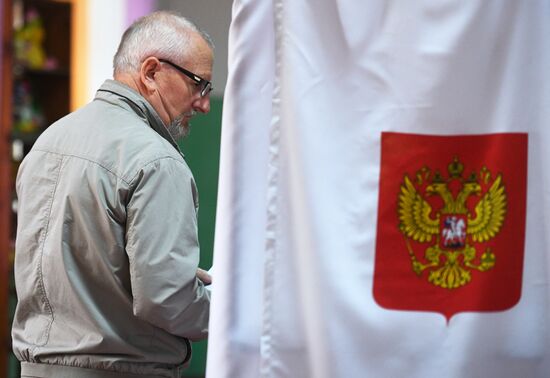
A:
{"points": [[200, 56]]}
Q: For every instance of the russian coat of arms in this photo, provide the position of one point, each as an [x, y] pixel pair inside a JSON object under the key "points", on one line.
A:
{"points": [[452, 216]]}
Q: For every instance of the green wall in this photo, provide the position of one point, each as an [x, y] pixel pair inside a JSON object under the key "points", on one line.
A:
{"points": [[202, 153]]}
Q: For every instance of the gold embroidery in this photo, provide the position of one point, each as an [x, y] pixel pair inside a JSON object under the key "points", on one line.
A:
{"points": [[451, 228]]}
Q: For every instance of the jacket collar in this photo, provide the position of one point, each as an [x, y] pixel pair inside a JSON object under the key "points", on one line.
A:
{"points": [[120, 94]]}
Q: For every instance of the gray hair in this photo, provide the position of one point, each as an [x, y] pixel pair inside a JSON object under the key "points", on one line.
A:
{"points": [[162, 34]]}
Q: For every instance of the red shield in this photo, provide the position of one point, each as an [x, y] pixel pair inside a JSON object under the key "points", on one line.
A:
{"points": [[451, 222]]}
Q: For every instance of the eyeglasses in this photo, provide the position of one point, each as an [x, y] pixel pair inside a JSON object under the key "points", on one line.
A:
{"points": [[205, 85]]}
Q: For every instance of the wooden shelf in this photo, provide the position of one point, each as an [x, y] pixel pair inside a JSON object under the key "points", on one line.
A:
{"points": [[20, 71], [26, 138]]}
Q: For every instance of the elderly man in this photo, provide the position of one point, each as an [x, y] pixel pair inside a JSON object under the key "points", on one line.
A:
{"points": [[107, 253]]}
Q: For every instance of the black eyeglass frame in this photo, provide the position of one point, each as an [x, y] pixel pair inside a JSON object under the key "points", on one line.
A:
{"points": [[206, 86]]}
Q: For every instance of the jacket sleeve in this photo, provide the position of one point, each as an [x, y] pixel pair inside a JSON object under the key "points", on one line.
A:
{"points": [[163, 250]]}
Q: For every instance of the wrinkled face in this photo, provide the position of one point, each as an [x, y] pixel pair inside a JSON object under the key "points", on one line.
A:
{"points": [[178, 96]]}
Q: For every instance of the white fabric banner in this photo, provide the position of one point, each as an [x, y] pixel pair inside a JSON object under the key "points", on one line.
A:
{"points": [[383, 204]]}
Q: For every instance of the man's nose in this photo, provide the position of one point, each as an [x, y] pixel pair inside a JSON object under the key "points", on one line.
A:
{"points": [[202, 104]]}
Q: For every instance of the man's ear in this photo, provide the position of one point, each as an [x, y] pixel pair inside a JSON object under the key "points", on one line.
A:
{"points": [[148, 74]]}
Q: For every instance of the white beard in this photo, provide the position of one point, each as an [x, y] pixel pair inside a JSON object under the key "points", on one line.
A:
{"points": [[177, 130]]}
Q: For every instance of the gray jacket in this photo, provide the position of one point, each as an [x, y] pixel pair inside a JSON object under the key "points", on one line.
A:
{"points": [[107, 248]]}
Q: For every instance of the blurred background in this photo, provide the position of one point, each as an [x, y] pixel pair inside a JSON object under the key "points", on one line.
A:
{"points": [[55, 54]]}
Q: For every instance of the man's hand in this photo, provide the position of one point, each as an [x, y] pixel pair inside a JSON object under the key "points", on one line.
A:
{"points": [[204, 276]]}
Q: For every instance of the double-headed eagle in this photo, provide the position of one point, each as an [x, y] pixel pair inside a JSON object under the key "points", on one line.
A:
{"points": [[452, 229]]}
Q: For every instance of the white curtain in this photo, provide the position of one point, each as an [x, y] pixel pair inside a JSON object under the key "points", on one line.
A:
{"points": [[383, 195]]}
